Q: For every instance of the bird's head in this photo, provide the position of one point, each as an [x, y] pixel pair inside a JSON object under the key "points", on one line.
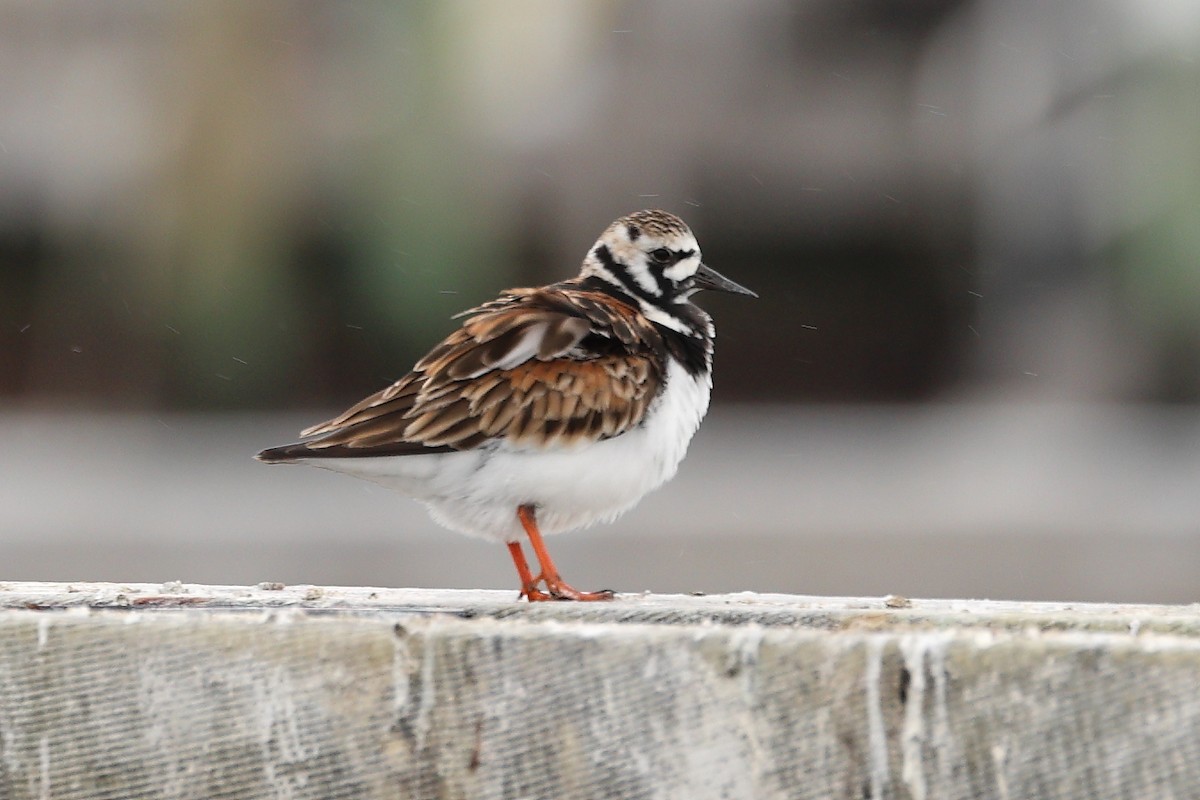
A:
{"points": [[653, 257]]}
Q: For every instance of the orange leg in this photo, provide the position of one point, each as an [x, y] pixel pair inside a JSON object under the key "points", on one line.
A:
{"points": [[528, 582], [556, 587]]}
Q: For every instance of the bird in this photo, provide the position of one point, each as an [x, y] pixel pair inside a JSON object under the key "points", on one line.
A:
{"points": [[550, 408]]}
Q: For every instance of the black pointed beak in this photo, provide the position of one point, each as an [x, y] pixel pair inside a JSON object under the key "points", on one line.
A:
{"points": [[708, 278]]}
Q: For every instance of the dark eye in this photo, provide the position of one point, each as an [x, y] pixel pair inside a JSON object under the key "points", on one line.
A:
{"points": [[662, 255]]}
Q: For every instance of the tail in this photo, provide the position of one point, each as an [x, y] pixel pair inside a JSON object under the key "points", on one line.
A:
{"points": [[283, 455]]}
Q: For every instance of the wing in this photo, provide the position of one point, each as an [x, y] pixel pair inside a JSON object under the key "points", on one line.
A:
{"points": [[518, 370]]}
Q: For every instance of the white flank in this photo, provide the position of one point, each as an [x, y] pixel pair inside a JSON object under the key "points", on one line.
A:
{"points": [[477, 492]]}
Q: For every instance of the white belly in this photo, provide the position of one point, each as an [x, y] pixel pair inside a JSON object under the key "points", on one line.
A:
{"points": [[477, 492]]}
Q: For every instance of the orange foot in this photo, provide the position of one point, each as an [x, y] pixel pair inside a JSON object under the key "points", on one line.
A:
{"points": [[534, 595], [556, 587], [560, 590]]}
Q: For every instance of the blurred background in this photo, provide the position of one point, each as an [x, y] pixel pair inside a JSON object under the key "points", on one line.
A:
{"points": [[974, 224]]}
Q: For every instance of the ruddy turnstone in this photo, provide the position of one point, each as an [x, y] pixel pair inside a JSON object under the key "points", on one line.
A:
{"points": [[550, 408]]}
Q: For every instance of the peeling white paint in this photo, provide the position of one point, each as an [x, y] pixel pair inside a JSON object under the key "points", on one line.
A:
{"points": [[8, 736], [650, 666], [402, 665], [880, 774], [745, 642], [913, 733], [281, 733], [1000, 762], [160, 694], [924, 739], [44, 768], [428, 697]]}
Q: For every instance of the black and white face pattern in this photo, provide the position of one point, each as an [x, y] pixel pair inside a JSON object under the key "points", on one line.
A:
{"points": [[653, 257]]}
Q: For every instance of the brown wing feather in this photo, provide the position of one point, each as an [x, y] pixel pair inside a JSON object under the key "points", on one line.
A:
{"points": [[511, 372], [395, 399]]}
